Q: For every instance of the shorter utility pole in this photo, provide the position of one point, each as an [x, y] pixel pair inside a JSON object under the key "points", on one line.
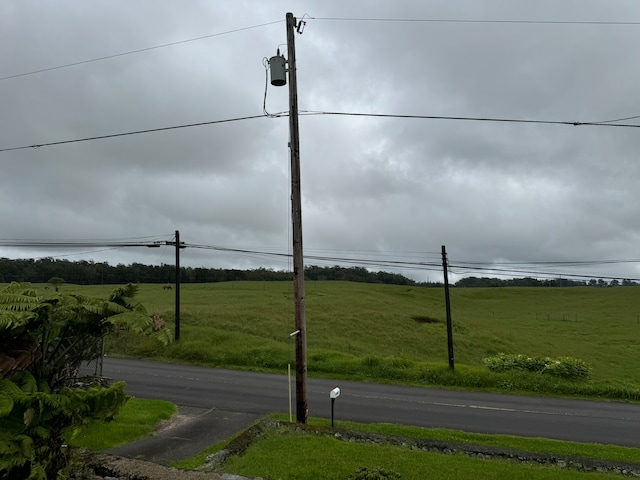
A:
{"points": [[177, 333], [178, 246], [445, 269]]}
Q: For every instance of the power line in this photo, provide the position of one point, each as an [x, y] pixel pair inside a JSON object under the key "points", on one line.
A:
{"points": [[77, 244], [457, 20], [352, 114], [537, 273], [92, 243], [617, 120], [137, 132], [140, 50], [436, 265], [474, 119], [555, 263], [341, 19], [394, 264]]}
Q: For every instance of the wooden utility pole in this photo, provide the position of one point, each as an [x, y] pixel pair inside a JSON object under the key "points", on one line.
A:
{"points": [[445, 269], [302, 410]]}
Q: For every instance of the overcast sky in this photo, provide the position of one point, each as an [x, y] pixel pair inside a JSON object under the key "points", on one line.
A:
{"points": [[374, 188]]}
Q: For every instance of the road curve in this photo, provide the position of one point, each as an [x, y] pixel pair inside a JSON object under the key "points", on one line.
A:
{"points": [[260, 393]]}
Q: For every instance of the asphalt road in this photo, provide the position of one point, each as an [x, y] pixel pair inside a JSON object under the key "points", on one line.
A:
{"points": [[254, 394]]}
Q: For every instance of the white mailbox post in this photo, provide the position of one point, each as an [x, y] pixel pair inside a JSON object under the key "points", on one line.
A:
{"points": [[335, 393]]}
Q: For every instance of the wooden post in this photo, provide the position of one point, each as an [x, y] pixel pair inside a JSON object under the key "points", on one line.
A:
{"points": [[445, 269]]}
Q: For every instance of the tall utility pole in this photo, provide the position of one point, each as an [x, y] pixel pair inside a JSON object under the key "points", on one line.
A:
{"points": [[302, 409], [445, 268]]}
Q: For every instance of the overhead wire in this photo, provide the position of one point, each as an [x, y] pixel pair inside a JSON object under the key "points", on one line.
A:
{"points": [[336, 113], [471, 21], [509, 268], [434, 265], [140, 50], [306, 16], [136, 132], [616, 120], [474, 119]]}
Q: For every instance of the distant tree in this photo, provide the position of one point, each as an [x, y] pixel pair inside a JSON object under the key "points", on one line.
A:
{"points": [[480, 282], [614, 283], [56, 282]]}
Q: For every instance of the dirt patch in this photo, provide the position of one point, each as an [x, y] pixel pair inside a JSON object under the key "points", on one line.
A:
{"points": [[169, 424], [107, 466], [110, 467]]}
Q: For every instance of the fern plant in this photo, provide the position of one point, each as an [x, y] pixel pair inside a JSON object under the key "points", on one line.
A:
{"points": [[43, 342]]}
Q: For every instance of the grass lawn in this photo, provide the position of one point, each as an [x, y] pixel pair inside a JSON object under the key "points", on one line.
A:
{"points": [[283, 453], [308, 457], [136, 419]]}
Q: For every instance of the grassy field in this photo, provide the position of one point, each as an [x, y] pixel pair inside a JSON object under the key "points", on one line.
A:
{"points": [[398, 333]]}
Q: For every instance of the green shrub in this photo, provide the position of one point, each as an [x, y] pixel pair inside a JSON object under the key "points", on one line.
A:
{"points": [[567, 367], [563, 367], [375, 473]]}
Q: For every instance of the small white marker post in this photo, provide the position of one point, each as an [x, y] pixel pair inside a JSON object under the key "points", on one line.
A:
{"points": [[335, 393]]}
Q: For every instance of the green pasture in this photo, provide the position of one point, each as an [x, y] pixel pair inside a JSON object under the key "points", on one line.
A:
{"points": [[398, 333]]}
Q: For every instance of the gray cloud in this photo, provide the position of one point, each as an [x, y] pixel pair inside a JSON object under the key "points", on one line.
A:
{"points": [[393, 188]]}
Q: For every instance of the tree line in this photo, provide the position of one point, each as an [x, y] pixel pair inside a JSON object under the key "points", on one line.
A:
{"points": [[85, 272], [534, 282]]}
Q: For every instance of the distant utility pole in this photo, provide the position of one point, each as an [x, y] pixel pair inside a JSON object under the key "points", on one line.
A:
{"points": [[177, 332], [178, 246], [278, 79], [445, 268]]}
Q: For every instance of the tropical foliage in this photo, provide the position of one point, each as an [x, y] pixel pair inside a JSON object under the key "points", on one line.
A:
{"points": [[43, 342]]}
